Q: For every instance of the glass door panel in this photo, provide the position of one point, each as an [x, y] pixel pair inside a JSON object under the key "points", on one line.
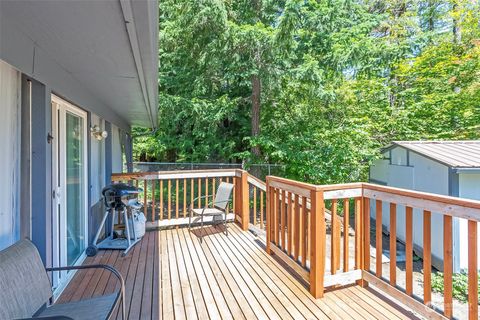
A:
{"points": [[75, 186]]}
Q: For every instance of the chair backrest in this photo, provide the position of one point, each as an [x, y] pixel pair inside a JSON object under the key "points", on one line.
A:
{"points": [[24, 283], [222, 197]]}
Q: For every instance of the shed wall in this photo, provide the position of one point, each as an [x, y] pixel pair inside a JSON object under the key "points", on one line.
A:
{"points": [[469, 187], [421, 174]]}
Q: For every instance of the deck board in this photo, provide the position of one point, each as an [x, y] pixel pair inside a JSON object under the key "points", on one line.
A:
{"points": [[204, 274]]}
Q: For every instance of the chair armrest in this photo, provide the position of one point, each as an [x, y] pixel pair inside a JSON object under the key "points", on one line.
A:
{"points": [[202, 197], [197, 198], [97, 266]]}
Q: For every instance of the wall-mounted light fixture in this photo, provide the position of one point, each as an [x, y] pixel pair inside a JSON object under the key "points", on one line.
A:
{"points": [[97, 133]]}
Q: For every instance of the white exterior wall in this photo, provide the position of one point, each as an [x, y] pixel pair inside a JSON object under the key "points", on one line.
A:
{"points": [[97, 164], [117, 152], [422, 174], [10, 160], [469, 187]]}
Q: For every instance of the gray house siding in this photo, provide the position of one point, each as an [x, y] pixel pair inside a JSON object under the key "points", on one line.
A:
{"points": [[10, 86], [100, 56], [33, 153]]}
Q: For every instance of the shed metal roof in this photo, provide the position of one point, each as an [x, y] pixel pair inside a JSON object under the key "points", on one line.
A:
{"points": [[455, 154]]}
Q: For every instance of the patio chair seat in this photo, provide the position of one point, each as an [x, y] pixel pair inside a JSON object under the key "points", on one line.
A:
{"points": [[25, 289], [208, 211], [93, 308]]}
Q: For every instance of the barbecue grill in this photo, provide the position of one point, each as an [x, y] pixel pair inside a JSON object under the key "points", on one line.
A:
{"points": [[120, 200]]}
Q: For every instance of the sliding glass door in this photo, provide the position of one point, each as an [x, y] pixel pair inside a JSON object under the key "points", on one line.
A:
{"points": [[70, 183]]}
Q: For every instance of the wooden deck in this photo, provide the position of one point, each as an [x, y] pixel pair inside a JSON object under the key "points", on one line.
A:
{"points": [[171, 274]]}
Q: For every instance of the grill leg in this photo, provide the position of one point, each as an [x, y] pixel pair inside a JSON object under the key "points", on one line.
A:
{"points": [[127, 227], [97, 235], [113, 222]]}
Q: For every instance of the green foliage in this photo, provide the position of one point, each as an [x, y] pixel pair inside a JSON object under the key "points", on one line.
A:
{"points": [[339, 79], [460, 285]]}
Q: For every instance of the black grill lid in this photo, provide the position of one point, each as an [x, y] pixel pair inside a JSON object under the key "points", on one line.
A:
{"points": [[120, 190]]}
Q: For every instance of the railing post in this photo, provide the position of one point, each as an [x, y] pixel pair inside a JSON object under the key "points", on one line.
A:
{"points": [[268, 213], [242, 199], [245, 194], [365, 238], [317, 247]]}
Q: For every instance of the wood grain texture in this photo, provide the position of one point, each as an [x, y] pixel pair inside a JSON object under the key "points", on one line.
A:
{"points": [[145, 189], [393, 244], [154, 205], [409, 250], [427, 257], [472, 270], [169, 199], [346, 221], [261, 210], [177, 196], [378, 238], [358, 233], [304, 232], [289, 223], [366, 234], [171, 274], [297, 228], [254, 205], [268, 222], [447, 267], [282, 219], [334, 239], [317, 244], [184, 198], [161, 200]]}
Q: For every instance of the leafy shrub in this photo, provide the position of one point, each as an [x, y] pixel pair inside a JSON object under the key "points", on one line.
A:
{"points": [[460, 285]]}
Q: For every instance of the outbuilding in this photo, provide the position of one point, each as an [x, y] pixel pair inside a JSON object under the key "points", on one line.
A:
{"points": [[449, 168]]}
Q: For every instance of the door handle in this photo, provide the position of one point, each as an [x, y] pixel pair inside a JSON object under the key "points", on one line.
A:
{"points": [[56, 194]]}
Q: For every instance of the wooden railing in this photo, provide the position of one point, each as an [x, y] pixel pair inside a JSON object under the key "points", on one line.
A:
{"points": [[257, 202], [323, 231], [296, 231], [426, 204], [167, 195]]}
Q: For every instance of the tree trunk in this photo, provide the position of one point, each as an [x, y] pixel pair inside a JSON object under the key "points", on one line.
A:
{"points": [[456, 28], [256, 91], [256, 87]]}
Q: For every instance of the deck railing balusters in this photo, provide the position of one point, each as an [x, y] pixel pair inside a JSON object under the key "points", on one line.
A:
{"points": [[294, 217]]}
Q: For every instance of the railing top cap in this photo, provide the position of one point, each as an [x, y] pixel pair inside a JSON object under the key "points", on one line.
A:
{"points": [[159, 174]]}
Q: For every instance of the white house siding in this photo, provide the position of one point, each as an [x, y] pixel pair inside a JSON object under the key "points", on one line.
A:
{"points": [[422, 174], [10, 159], [97, 158], [469, 187], [117, 150]]}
